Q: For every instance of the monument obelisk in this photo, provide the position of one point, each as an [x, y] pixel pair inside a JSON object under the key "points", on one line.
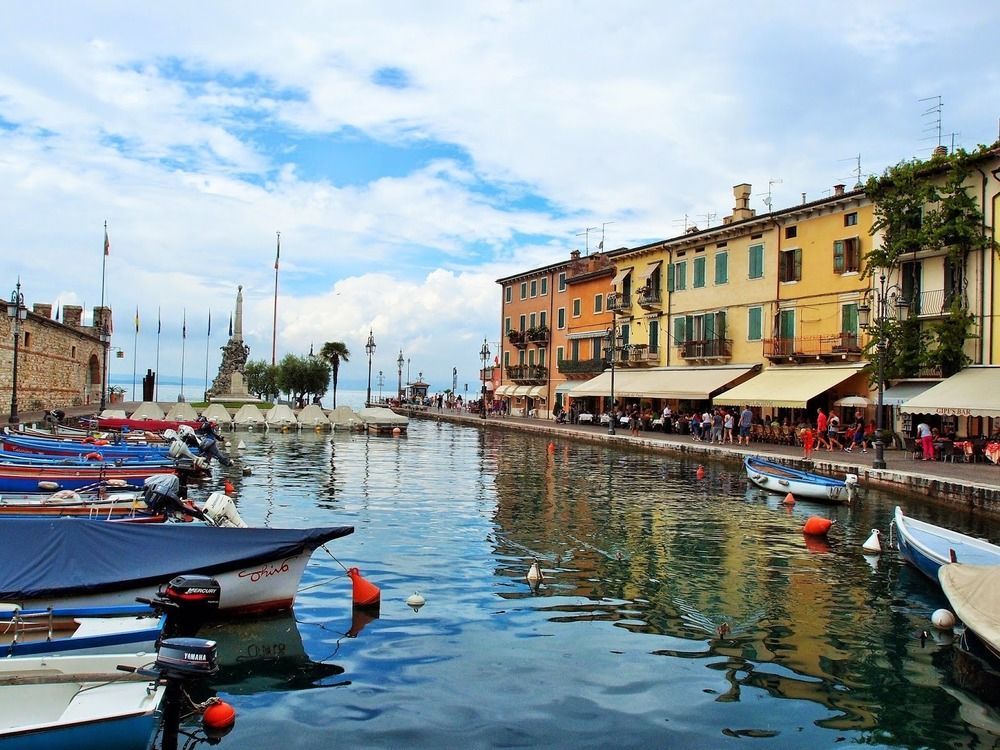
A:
{"points": [[229, 384]]}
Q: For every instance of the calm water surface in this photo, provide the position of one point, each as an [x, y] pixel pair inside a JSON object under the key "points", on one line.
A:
{"points": [[620, 645]]}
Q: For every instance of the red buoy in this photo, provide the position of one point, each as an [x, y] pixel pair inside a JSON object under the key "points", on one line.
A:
{"points": [[366, 593], [789, 499], [817, 526], [552, 447], [228, 487], [700, 473], [220, 715]]}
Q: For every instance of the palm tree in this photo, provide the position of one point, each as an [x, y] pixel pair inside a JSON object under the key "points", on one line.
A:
{"points": [[334, 352]]}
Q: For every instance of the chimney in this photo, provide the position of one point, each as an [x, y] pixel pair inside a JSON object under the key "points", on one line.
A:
{"points": [[102, 317], [742, 209], [40, 308], [71, 315], [838, 189], [940, 150], [575, 255], [803, 197]]}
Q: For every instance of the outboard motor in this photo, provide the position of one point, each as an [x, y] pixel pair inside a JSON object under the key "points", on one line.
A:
{"points": [[210, 448], [220, 510], [54, 416], [851, 482], [187, 658], [161, 495]]}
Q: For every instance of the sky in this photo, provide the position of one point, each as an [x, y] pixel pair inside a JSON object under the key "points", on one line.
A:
{"points": [[410, 154]]}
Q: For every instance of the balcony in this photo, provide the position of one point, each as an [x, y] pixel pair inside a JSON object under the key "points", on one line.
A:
{"points": [[618, 302], [829, 347], [538, 335], [932, 303], [650, 299], [640, 355], [708, 349], [518, 338], [527, 374], [582, 367]]}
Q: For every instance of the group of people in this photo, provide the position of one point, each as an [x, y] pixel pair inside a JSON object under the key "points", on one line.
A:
{"points": [[827, 434]]}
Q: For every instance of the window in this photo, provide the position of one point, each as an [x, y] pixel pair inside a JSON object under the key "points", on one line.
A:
{"points": [[531, 320], [679, 326], [786, 324], [544, 286], [575, 349], [909, 274], [524, 290], [27, 340], [699, 272], [534, 287], [506, 324], [508, 294], [756, 270], [542, 319], [754, 318], [598, 303], [576, 307], [73, 352], [520, 357], [506, 359], [561, 317], [522, 321], [559, 354], [849, 318], [791, 232], [721, 268], [790, 265], [680, 274], [531, 358], [847, 255], [541, 355], [851, 219], [562, 282]]}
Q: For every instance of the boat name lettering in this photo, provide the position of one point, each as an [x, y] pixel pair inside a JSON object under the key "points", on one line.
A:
{"points": [[265, 571]]}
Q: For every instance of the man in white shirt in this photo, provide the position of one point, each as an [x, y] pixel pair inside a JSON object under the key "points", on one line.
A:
{"points": [[926, 438]]}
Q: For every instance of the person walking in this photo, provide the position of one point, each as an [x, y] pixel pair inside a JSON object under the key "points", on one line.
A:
{"points": [[728, 422], [717, 427], [807, 437], [821, 426], [833, 432], [926, 438], [746, 420]]}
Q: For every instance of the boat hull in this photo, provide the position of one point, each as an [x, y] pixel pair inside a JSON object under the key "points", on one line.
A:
{"points": [[927, 547], [779, 479]]}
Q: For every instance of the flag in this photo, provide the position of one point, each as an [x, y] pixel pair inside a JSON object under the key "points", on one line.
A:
{"points": [[209, 323], [137, 319], [107, 242], [230, 325], [184, 326], [278, 254], [159, 322]]}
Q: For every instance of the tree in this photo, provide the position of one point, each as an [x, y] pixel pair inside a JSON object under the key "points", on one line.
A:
{"points": [[299, 376], [335, 352], [261, 379]]}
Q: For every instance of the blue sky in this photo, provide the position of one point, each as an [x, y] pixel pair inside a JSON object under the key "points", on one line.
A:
{"points": [[412, 153]]}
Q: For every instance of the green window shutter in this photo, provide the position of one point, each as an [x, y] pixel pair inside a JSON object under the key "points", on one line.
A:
{"points": [[797, 264], [756, 261], [849, 318], [688, 327], [708, 326], [721, 268], [699, 272], [679, 330], [670, 277], [838, 256], [654, 334], [561, 317], [720, 324], [754, 324], [682, 275]]}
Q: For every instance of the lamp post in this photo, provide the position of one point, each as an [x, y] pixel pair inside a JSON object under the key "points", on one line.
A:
{"points": [[615, 342], [381, 381], [17, 313], [370, 349], [399, 388], [888, 300], [484, 355], [105, 345]]}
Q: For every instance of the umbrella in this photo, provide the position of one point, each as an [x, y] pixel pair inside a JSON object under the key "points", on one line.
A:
{"points": [[853, 401]]}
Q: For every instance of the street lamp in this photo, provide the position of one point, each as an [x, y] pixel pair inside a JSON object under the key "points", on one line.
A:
{"points": [[105, 345], [370, 349], [17, 313], [399, 388], [484, 355], [616, 342], [381, 381], [889, 301]]}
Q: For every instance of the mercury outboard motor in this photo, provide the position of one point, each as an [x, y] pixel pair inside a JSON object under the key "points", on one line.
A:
{"points": [[161, 495]]}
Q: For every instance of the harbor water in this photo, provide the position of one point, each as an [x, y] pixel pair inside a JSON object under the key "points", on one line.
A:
{"points": [[673, 612]]}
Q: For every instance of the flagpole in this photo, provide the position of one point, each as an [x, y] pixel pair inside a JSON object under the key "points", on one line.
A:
{"points": [[105, 340], [274, 328], [135, 350], [184, 334], [159, 326], [208, 344]]}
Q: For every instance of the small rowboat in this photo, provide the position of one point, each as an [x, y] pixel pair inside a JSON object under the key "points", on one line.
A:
{"points": [[927, 547], [774, 477], [86, 630], [974, 593]]}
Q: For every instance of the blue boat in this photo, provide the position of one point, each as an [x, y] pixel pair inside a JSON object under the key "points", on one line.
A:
{"points": [[927, 547], [79, 630], [781, 479]]}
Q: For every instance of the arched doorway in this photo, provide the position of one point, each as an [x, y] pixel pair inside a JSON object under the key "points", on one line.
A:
{"points": [[94, 380]]}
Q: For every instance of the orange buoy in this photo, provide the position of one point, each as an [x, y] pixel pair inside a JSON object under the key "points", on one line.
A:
{"points": [[789, 499], [102, 441], [220, 715], [552, 447], [817, 526], [700, 473], [93, 457], [366, 593], [228, 488]]}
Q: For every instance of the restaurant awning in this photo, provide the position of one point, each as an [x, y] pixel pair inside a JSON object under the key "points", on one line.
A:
{"points": [[503, 390], [973, 392], [519, 391], [620, 276], [900, 393], [696, 383], [790, 386], [537, 391], [567, 386]]}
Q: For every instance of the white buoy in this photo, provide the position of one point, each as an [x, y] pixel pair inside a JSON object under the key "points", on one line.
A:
{"points": [[241, 445], [535, 572], [943, 619], [872, 546], [415, 600]]}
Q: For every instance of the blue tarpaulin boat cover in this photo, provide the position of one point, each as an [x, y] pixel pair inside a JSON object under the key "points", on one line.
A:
{"points": [[61, 556]]}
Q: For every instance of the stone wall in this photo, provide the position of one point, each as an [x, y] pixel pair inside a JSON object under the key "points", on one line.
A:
{"points": [[58, 365]]}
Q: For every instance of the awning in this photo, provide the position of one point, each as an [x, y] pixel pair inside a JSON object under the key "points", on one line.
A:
{"points": [[568, 386], [602, 333], [620, 276], [503, 390], [694, 383], [537, 391], [973, 392], [790, 386], [519, 391], [900, 393], [649, 271]]}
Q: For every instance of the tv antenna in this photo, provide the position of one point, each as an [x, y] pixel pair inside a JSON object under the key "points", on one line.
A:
{"points": [[856, 172], [586, 235], [767, 199], [934, 113], [685, 222], [600, 247], [708, 218]]}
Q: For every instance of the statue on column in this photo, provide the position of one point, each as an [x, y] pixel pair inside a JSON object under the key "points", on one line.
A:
{"points": [[229, 382]]}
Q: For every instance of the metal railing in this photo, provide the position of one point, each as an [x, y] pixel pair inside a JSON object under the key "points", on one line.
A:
{"points": [[707, 349], [650, 298], [527, 372], [577, 366], [831, 344], [617, 301]]}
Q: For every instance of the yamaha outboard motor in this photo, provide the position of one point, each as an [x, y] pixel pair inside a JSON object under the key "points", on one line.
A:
{"points": [[161, 495], [210, 448]]}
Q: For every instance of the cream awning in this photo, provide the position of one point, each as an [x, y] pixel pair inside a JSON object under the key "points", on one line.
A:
{"points": [[537, 391], [587, 334], [620, 276], [649, 271], [519, 391], [503, 390], [568, 386], [696, 383], [973, 392], [789, 386], [900, 393]]}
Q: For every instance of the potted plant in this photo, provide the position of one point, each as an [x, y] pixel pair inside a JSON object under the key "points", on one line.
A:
{"points": [[116, 394]]}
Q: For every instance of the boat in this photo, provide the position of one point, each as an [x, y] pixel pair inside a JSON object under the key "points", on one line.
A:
{"points": [[927, 547], [38, 478], [50, 446], [76, 631], [974, 593], [775, 477], [149, 425], [73, 562]]}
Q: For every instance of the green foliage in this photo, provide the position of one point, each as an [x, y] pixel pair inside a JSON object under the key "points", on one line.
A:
{"points": [[299, 376], [948, 349], [261, 379], [904, 352], [335, 352]]}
